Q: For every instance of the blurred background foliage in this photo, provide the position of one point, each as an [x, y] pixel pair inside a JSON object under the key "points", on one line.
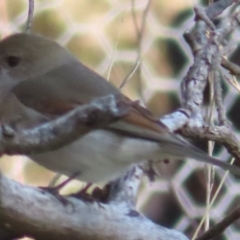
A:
{"points": [[102, 33]]}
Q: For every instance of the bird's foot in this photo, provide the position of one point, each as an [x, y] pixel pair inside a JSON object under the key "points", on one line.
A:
{"points": [[55, 192], [98, 195]]}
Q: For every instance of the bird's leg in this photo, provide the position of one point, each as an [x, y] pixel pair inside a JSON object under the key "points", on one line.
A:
{"points": [[98, 195], [101, 194], [83, 195], [55, 190]]}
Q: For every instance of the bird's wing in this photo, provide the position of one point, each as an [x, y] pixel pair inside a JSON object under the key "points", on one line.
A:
{"points": [[62, 89]]}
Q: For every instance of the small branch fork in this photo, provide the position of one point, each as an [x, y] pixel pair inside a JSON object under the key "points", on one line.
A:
{"points": [[208, 44]]}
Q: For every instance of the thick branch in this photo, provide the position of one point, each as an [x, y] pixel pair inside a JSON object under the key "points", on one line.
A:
{"points": [[26, 210]]}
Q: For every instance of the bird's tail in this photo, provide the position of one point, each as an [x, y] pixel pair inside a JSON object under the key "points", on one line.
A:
{"points": [[184, 149]]}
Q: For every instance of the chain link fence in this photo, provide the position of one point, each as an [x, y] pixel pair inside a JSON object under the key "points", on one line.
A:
{"points": [[104, 35]]}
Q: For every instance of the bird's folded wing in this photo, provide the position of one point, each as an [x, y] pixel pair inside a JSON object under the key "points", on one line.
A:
{"points": [[54, 97], [67, 87]]}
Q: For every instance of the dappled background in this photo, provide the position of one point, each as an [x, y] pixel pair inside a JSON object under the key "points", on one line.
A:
{"points": [[103, 34]]}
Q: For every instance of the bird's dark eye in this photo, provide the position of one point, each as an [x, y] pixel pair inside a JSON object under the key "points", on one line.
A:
{"points": [[12, 61]]}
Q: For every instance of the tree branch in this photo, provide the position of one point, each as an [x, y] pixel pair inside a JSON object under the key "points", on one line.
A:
{"points": [[64, 130], [29, 211]]}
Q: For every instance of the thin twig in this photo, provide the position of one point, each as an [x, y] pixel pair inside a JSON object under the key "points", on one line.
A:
{"points": [[231, 67], [233, 81], [129, 76], [210, 169], [30, 16], [218, 99], [140, 31], [115, 47], [221, 226], [212, 201]]}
